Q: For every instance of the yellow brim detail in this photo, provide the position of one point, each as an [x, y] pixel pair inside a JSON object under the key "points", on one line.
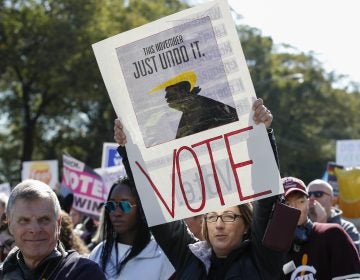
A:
{"points": [[188, 76]]}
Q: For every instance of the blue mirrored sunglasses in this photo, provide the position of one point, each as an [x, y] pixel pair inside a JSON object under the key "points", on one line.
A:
{"points": [[125, 206]]}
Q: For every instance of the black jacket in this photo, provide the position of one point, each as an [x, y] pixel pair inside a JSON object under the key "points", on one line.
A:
{"points": [[250, 262], [193, 259], [58, 265]]}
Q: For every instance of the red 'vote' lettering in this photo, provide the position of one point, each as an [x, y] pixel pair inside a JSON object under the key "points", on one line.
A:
{"points": [[176, 168], [201, 179], [235, 166]]}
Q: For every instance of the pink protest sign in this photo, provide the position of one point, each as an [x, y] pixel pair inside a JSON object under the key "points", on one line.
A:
{"points": [[88, 188]]}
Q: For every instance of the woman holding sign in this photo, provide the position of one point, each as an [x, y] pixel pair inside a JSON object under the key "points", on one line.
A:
{"points": [[233, 246], [127, 250]]}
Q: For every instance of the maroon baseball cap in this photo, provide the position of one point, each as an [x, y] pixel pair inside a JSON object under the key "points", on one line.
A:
{"points": [[292, 184]]}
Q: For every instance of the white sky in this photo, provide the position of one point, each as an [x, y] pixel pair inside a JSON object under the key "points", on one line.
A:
{"points": [[330, 28]]}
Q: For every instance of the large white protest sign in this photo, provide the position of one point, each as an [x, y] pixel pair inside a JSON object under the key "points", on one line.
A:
{"points": [[182, 89], [86, 185], [42, 170], [348, 153]]}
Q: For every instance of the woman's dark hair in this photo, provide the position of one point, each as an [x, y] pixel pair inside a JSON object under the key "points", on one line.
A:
{"points": [[110, 238]]}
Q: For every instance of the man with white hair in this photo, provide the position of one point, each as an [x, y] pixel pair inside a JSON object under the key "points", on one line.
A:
{"points": [[321, 210], [33, 215]]}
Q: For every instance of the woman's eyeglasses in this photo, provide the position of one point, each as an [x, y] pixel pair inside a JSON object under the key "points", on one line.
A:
{"points": [[125, 206], [225, 217], [317, 194]]}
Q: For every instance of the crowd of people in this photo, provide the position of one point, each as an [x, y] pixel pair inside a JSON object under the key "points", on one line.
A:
{"points": [[40, 240]]}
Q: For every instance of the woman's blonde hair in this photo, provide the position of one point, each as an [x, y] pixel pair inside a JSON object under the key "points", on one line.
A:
{"points": [[246, 212]]}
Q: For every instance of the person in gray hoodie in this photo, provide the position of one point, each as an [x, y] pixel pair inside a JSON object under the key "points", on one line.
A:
{"points": [[321, 197]]}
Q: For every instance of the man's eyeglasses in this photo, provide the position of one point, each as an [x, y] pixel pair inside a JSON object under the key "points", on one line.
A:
{"points": [[225, 217], [317, 194], [125, 206]]}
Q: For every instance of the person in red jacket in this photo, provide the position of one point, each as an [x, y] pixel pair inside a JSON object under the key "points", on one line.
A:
{"points": [[320, 251]]}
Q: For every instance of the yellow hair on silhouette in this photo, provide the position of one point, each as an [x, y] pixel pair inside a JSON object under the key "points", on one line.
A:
{"points": [[188, 76]]}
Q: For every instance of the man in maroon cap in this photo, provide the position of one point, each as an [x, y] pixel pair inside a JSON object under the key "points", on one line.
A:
{"points": [[320, 250]]}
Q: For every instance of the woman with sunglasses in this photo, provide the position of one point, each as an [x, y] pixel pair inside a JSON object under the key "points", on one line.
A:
{"points": [[127, 250], [232, 248]]}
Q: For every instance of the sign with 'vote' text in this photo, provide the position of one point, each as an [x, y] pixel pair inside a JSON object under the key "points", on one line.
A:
{"points": [[182, 89], [85, 184]]}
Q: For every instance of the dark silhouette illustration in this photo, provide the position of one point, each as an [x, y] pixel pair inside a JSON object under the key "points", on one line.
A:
{"points": [[199, 112]]}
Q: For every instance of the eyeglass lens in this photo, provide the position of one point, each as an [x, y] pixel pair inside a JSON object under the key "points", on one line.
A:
{"points": [[212, 218]]}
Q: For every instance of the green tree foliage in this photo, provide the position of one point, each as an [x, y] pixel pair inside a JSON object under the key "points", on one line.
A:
{"points": [[310, 114], [53, 99], [52, 96]]}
